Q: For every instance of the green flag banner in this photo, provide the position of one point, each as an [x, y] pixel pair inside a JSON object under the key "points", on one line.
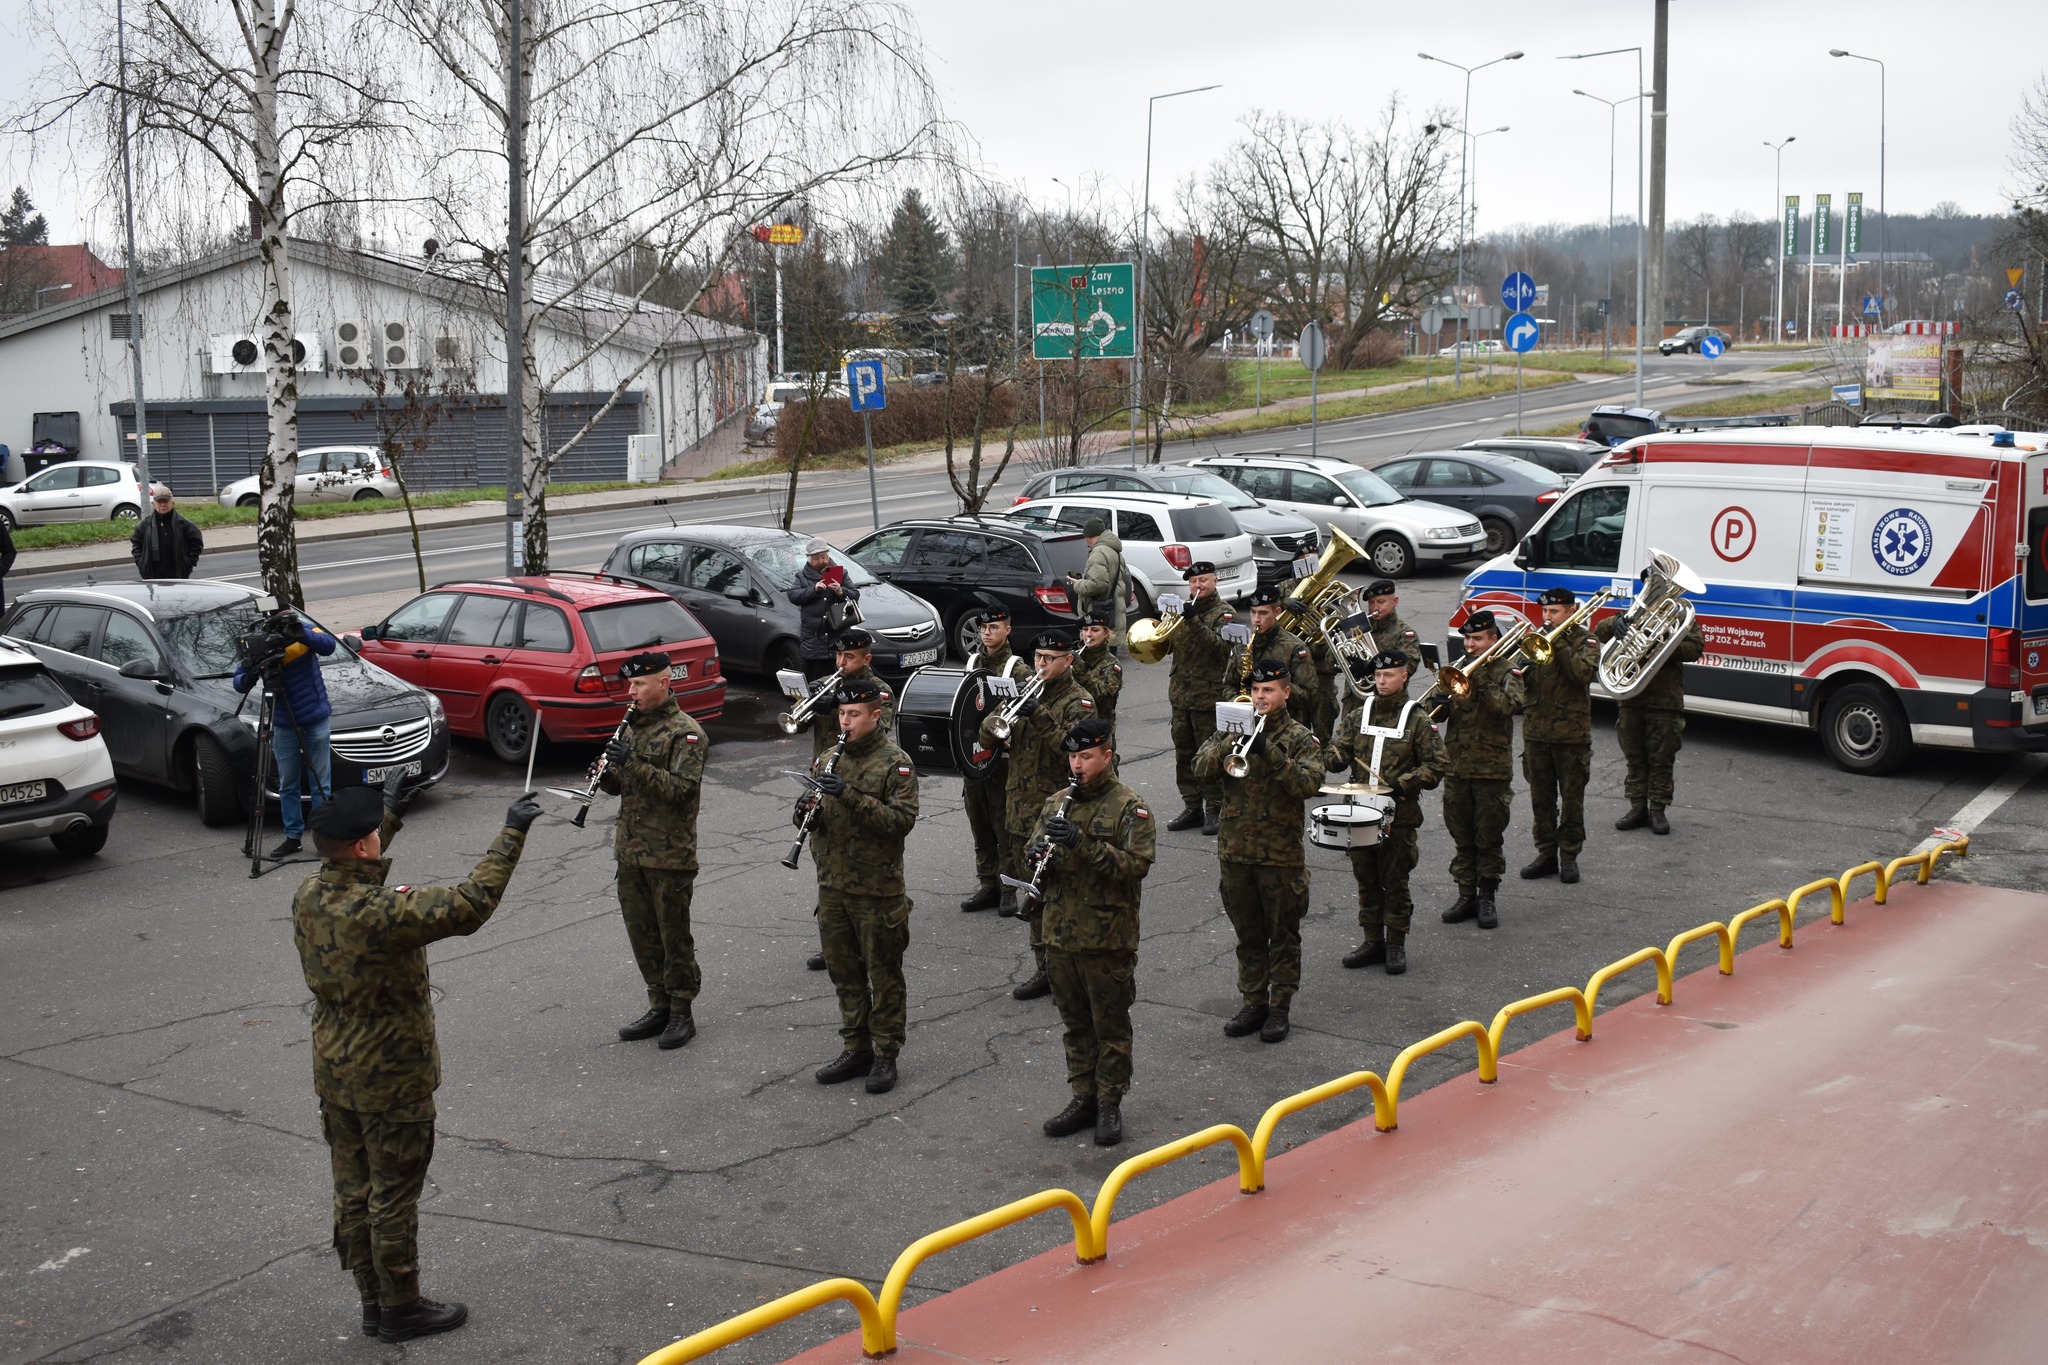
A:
{"points": [[1822, 221], [1853, 229], [1791, 246]]}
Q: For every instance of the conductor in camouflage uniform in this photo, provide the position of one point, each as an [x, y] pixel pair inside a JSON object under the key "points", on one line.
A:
{"points": [[1265, 878], [1272, 640], [657, 766], [1193, 688], [1479, 791], [984, 796], [1100, 852], [1097, 669], [1391, 731], [1557, 740], [1650, 726], [376, 1065], [853, 661], [1037, 770], [866, 806]]}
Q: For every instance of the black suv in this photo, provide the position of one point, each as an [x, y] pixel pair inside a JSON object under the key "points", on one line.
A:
{"points": [[964, 566]]}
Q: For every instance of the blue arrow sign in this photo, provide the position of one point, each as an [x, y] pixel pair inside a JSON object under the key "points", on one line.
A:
{"points": [[864, 386], [1872, 305], [2012, 300], [1518, 291], [1521, 332], [1712, 346]]}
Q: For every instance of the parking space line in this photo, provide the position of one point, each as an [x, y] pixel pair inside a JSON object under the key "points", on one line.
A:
{"points": [[1985, 804]]}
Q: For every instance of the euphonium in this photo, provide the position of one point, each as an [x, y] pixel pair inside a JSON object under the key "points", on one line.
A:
{"points": [[793, 719], [1651, 629]]}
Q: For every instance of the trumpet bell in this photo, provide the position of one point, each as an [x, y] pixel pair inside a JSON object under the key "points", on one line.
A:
{"points": [[787, 723], [1236, 766], [1147, 638]]}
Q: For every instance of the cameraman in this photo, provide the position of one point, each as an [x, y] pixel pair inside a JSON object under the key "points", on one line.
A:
{"points": [[284, 653]]}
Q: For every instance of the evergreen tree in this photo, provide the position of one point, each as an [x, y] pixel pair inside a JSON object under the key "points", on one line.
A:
{"points": [[916, 270], [20, 224]]}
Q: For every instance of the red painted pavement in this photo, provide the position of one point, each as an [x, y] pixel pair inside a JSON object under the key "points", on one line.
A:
{"points": [[1837, 1154]]}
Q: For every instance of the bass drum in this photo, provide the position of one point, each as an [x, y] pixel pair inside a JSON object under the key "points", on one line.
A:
{"points": [[938, 716]]}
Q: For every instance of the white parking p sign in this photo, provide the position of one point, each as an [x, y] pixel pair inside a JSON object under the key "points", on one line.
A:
{"points": [[864, 385]]}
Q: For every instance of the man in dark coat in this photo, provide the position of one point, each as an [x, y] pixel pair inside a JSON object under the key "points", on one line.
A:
{"points": [[823, 594], [165, 543]]}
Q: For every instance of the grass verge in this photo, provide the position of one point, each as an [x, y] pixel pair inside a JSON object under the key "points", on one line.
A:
{"points": [[775, 465], [1285, 378], [1749, 404], [1336, 409], [1797, 366]]}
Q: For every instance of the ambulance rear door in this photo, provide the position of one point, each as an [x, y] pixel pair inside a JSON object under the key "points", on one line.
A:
{"points": [[2031, 596]]}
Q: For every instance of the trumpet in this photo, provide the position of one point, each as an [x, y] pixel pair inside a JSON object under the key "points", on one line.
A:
{"points": [[803, 831], [1456, 683], [1005, 720], [799, 715], [1240, 761], [1541, 645]]}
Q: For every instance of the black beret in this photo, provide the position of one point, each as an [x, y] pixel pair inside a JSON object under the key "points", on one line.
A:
{"points": [[1271, 670], [350, 814], [1101, 615], [855, 691], [1053, 641], [1199, 567], [1091, 733], [1391, 658], [855, 638], [1556, 597], [644, 665], [994, 614], [1380, 587], [1267, 597], [1478, 623]]}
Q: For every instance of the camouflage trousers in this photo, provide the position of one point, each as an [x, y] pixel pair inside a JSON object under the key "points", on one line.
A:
{"points": [[1476, 811], [1324, 721], [380, 1166], [1265, 905], [1190, 730], [1557, 775], [1094, 990], [1650, 741], [1381, 870], [985, 800], [656, 904], [864, 939]]}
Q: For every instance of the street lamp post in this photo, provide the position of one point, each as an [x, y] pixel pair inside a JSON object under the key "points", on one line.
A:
{"points": [[1641, 212], [1607, 313], [1778, 220], [47, 289], [1883, 218], [1144, 237], [1458, 295]]}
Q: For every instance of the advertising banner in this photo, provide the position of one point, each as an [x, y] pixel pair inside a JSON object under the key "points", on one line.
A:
{"points": [[1822, 221], [1903, 367], [1853, 233], [1790, 246]]}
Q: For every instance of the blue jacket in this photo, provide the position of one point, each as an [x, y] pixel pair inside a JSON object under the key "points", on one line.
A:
{"points": [[302, 693]]}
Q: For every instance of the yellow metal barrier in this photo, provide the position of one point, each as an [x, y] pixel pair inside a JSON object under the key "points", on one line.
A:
{"points": [[1958, 847], [1716, 930], [1582, 1013], [1250, 1172], [1382, 1110], [1770, 907], [1879, 873], [1828, 884], [1489, 1065], [1086, 1249], [877, 1338], [1632, 961]]}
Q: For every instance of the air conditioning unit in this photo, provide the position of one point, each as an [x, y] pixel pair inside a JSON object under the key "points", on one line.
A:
{"points": [[643, 458], [450, 350], [232, 354], [394, 347], [351, 347], [308, 354]]}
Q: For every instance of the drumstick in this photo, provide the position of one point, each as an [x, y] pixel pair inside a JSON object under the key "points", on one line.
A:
{"points": [[532, 750]]}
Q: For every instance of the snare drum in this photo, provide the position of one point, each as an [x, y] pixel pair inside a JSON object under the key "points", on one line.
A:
{"points": [[1350, 824], [938, 715]]}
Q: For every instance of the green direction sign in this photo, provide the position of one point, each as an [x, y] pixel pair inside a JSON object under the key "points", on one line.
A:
{"points": [[1092, 308], [1854, 233]]}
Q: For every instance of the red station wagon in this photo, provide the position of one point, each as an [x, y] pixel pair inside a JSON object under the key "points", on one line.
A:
{"points": [[494, 649]]}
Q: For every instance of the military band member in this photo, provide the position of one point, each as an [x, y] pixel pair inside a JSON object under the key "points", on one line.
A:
{"points": [[1037, 770], [1265, 878], [1479, 792], [1100, 853], [1329, 692], [1097, 669], [363, 949], [1272, 640], [1557, 741], [865, 808], [1389, 631], [853, 661], [1193, 688], [657, 766], [1389, 741], [1650, 726], [984, 796]]}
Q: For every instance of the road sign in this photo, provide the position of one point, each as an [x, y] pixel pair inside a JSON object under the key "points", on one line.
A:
{"points": [[1712, 346], [1089, 308], [1522, 333], [1432, 320], [779, 234], [1518, 291], [1849, 394], [1261, 325], [1870, 305], [1313, 349], [2012, 300], [864, 386], [2014, 274]]}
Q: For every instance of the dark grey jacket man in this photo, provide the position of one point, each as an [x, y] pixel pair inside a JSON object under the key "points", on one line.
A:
{"points": [[165, 544], [820, 587]]}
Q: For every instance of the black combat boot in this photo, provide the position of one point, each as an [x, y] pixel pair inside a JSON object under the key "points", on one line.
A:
{"points": [[681, 1029], [846, 1066], [1079, 1113], [1245, 1022], [373, 1316], [646, 1026], [1397, 959], [815, 962], [1544, 865], [984, 898], [1634, 818], [1187, 819], [1276, 1028], [1489, 916], [1462, 909], [1007, 906], [1109, 1123], [1033, 987], [1212, 819], [882, 1076], [1568, 868], [1658, 824], [1366, 953], [422, 1317]]}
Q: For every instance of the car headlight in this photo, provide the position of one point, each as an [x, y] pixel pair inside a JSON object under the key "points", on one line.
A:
{"points": [[1264, 543], [435, 712], [1444, 533]]}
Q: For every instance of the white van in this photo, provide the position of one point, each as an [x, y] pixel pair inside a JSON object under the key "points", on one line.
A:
{"points": [[1886, 586]]}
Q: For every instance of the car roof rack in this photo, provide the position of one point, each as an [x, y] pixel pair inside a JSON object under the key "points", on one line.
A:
{"points": [[1911, 419], [536, 588], [1762, 419]]}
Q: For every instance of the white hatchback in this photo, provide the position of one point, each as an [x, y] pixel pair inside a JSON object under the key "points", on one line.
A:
{"points": [[326, 474], [75, 490], [1162, 534], [56, 778]]}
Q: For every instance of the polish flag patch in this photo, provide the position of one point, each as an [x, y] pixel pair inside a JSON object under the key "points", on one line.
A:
{"points": [[903, 772], [1141, 812]]}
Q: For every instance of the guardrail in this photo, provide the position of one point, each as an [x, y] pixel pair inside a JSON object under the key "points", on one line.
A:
{"points": [[1091, 1225]]}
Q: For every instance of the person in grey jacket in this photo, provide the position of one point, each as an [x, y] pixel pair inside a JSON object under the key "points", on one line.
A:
{"points": [[1103, 578], [821, 586]]}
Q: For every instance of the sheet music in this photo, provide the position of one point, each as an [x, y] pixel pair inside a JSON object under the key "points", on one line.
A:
{"points": [[1235, 717], [794, 685]]}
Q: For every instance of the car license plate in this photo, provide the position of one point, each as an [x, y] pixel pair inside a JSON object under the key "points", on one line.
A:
{"points": [[677, 672], [921, 658], [374, 777], [23, 791], [2041, 704]]}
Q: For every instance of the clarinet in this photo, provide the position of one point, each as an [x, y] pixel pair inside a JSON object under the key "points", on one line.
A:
{"points": [[1041, 856], [803, 831], [597, 772]]}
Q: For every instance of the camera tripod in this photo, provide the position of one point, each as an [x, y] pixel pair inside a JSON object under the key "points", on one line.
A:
{"points": [[266, 724]]}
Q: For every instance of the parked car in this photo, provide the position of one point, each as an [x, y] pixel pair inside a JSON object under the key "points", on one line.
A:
{"points": [[156, 661], [1506, 494], [762, 423], [736, 580], [76, 490], [1686, 340], [1398, 533], [1559, 455], [1278, 538], [56, 780], [1162, 534], [326, 474], [967, 566], [496, 650], [1483, 346], [1610, 424]]}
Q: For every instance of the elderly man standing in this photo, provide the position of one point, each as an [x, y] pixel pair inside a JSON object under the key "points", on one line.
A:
{"points": [[165, 544], [828, 603], [1103, 580]]}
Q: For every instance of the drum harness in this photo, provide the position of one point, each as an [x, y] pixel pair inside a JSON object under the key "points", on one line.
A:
{"points": [[1381, 734]]}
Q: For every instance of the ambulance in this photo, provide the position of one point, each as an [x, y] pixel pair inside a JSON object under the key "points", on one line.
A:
{"points": [[1885, 586]]}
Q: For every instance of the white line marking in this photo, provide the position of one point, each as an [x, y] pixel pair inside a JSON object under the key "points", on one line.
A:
{"points": [[1985, 803]]}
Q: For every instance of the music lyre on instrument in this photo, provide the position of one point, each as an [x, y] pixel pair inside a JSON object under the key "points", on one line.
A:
{"points": [[793, 720]]}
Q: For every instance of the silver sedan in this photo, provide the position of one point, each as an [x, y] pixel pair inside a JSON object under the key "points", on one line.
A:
{"points": [[327, 474]]}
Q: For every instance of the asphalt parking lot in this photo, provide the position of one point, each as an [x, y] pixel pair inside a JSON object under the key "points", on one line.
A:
{"points": [[165, 1184]]}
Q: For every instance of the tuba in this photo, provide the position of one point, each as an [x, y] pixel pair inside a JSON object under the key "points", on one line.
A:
{"points": [[1321, 590], [1650, 630]]}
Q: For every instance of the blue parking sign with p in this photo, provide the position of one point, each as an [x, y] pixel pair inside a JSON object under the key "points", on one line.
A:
{"points": [[864, 386]]}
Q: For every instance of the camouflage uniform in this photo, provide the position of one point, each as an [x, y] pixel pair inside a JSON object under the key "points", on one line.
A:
{"points": [[1037, 770], [1193, 688], [1101, 677], [376, 1064], [1277, 644], [824, 722], [1557, 741], [985, 796], [1328, 693], [863, 915], [656, 847], [1391, 632], [1479, 791], [1091, 932], [1265, 879], [1650, 725], [1410, 764]]}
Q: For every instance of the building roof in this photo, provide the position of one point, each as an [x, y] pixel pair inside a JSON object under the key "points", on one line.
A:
{"points": [[72, 264]]}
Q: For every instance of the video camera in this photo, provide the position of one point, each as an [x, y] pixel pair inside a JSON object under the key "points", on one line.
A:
{"points": [[262, 647]]}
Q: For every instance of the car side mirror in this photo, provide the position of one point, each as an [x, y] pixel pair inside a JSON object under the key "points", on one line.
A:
{"points": [[1341, 501], [354, 643], [369, 633], [142, 668], [740, 592], [1525, 553]]}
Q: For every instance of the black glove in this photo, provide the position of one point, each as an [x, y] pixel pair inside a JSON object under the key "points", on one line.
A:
{"points": [[1620, 630], [394, 798], [1030, 707], [617, 752], [1258, 744], [1296, 605], [831, 784], [1062, 831], [521, 814]]}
